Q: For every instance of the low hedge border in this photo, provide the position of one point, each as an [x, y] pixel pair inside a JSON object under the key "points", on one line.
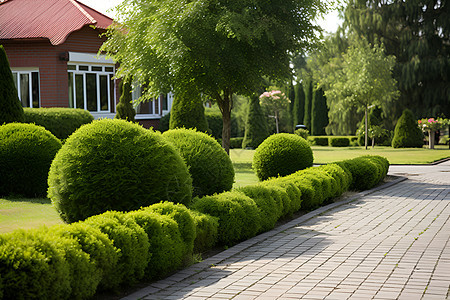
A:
{"points": [[114, 249], [333, 141]]}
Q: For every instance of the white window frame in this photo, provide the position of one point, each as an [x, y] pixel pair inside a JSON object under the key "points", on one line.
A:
{"points": [[27, 71], [136, 94]]}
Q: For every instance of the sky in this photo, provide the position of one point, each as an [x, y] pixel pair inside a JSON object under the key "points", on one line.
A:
{"points": [[329, 23]]}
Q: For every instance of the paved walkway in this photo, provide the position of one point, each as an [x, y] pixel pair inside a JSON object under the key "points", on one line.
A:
{"points": [[391, 243]]}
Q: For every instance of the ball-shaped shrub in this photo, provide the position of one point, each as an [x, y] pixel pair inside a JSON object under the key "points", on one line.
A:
{"points": [[115, 165], [209, 165], [26, 152], [280, 155]]}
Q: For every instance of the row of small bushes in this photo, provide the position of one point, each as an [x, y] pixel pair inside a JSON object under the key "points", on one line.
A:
{"points": [[333, 141], [62, 122], [113, 249]]}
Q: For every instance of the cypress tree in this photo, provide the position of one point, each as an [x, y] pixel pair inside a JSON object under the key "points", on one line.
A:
{"points": [[10, 107], [407, 133], [256, 130], [125, 109], [299, 104], [308, 103], [188, 112], [319, 113]]}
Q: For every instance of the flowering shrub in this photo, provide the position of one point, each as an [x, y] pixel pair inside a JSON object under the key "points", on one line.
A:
{"points": [[432, 125], [275, 101]]}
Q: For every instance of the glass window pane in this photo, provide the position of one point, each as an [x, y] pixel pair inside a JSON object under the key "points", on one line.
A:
{"points": [[97, 69], [71, 98], [71, 67], [35, 88], [144, 108], [109, 69], [91, 91], [79, 89], [83, 68], [15, 79], [25, 90], [164, 102], [103, 92]]}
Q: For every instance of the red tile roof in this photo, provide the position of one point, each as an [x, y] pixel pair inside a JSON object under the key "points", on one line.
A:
{"points": [[51, 19]]}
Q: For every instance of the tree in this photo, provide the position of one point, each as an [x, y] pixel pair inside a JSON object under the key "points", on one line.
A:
{"points": [[319, 113], [125, 109], [10, 107], [365, 79], [299, 104], [188, 112], [256, 130], [407, 133], [220, 47], [274, 101], [308, 88], [417, 33]]}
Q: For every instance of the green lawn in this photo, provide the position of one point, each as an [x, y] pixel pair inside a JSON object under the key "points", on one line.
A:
{"points": [[30, 213]]}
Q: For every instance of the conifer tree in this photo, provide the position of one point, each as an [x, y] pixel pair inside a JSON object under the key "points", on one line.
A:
{"points": [[319, 113], [125, 108], [188, 112], [10, 107], [256, 130], [298, 112], [308, 88], [407, 133]]}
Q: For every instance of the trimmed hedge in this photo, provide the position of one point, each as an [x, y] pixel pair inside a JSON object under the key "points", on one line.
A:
{"points": [[26, 153], [115, 165], [367, 171], [206, 227], [210, 167], [62, 122], [339, 142], [280, 155]]}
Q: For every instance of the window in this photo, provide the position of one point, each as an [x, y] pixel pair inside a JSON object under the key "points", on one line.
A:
{"points": [[151, 107], [91, 87], [27, 85]]}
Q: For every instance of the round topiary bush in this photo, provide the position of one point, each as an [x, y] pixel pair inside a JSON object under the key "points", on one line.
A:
{"points": [[115, 165], [26, 152], [407, 133], [282, 154], [210, 167]]}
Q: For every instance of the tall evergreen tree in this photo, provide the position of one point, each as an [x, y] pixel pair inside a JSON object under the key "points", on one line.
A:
{"points": [[308, 88], [256, 130], [10, 107], [319, 113], [188, 112], [298, 112], [125, 108]]}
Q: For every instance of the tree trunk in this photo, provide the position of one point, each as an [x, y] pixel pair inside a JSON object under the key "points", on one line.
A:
{"points": [[366, 129], [373, 142], [276, 121], [431, 139], [226, 121]]}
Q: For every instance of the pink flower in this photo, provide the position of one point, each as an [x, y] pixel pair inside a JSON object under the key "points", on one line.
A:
{"points": [[431, 120], [420, 121]]}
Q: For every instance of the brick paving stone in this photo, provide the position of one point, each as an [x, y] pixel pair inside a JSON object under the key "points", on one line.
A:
{"points": [[390, 243]]}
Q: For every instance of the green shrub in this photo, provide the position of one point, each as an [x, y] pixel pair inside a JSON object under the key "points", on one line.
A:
{"points": [[115, 165], [124, 109], [206, 228], [365, 173], [339, 142], [166, 245], [308, 182], [238, 215], [100, 248], [215, 123], [256, 130], [26, 152], [319, 113], [132, 241], [33, 266], [320, 141], [270, 212], [188, 112], [280, 155], [180, 214], [236, 143], [407, 133], [294, 200], [10, 107], [210, 167], [163, 124], [62, 122], [302, 132], [343, 179]]}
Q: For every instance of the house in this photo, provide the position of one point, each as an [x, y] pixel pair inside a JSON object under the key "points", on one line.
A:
{"points": [[52, 48]]}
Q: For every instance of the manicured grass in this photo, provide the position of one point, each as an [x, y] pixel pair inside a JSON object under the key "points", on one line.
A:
{"points": [[26, 213]]}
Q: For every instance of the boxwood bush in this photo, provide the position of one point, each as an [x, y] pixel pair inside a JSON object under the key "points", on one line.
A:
{"points": [[115, 165], [339, 142], [206, 231], [210, 167], [238, 215], [294, 200], [280, 155], [319, 141], [367, 171], [62, 122], [26, 152]]}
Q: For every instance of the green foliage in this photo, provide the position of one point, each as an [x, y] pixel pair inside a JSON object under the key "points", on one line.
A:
{"points": [[302, 132], [407, 133], [274, 102], [125, 110], [10, 107], [115, 165], [210, 167], [26, 152], [339, 142], [62, 122], [188, 112], [256, 130], [320, 141], [238, 215], [33, 266], [236, 142], [130, 239], [319, 113], [308, 88], [298, 112], [166, 245], [206, 228], [343, 178], [215, 123], [163, 124], [292, 202], [367, 171], [281, 154]]}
